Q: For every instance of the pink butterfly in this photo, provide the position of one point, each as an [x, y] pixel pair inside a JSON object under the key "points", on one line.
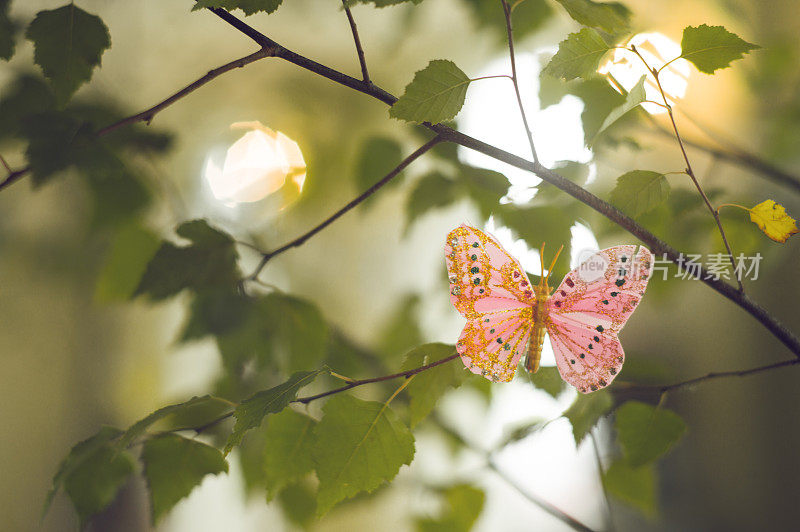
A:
{"points": [[507, 316]]}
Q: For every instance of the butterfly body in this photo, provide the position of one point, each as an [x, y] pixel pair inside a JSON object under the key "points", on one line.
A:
{"points": [[508, 318], [539, 329]]}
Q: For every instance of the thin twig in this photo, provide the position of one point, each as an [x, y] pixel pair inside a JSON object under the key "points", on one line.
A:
{"points": [[490, 463], [148, 114], [690, 172], [538, 501], [5, 165], [599, 461], [367, 193], [359, 49], [362, 382], [631, 387], [656, 245], [738, 155], [352, 384], [13, 177], [510, 34]]}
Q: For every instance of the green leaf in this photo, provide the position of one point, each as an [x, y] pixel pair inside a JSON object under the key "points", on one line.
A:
{"points": [[117, 191], [287, 453], [586, 411], [526, 17], [427, 387], [76, 457], [436, 94], [578, 55], [8, 31], [92, 474], [713, 47], [463, 505], [401, 332], [25, 96], [60, 140], [126, 260], [434, 190], [635, 486], [612, 17], [209, 262], [134, 138], [378, 156], [646, 432], [599, 99], [521, 431], [632, 100], [138, 428], [252, 411], [174, 466], [300, 333], [485, 187], [56, 141], [249, 7], [551, 89], [299, 504], [547, 194], [640, 191], [347, 357], [217, 312], [551, 224], [68, 44], [358, 446], [549, 380]]}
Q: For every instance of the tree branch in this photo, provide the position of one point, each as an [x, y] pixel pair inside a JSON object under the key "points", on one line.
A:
{"points": [[510, 33], [359, 49], [13, 177], [148, 114], [305, 400], [265, 257], [655, 244]]}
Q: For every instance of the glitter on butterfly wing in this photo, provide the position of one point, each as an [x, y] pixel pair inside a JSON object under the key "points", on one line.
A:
{"points": [[585, 316], [491, 290]]}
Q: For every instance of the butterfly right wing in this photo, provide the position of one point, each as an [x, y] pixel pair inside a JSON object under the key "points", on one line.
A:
{"points": [[489, 288], [590, 307]]}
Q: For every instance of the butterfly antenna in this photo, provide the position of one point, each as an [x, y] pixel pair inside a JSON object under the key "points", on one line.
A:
{"points": [[550, 269], [542, 280]]}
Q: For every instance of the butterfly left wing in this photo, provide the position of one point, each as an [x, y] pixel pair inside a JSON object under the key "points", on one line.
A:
{"points": [[492, 345], [491, 290], [589, 308]]}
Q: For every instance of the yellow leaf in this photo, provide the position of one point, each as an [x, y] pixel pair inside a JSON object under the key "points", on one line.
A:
{"points": [[772, 219]]}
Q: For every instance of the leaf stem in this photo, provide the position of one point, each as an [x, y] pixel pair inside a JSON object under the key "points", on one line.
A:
{"points": [[514, 80], [733, 205]]}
